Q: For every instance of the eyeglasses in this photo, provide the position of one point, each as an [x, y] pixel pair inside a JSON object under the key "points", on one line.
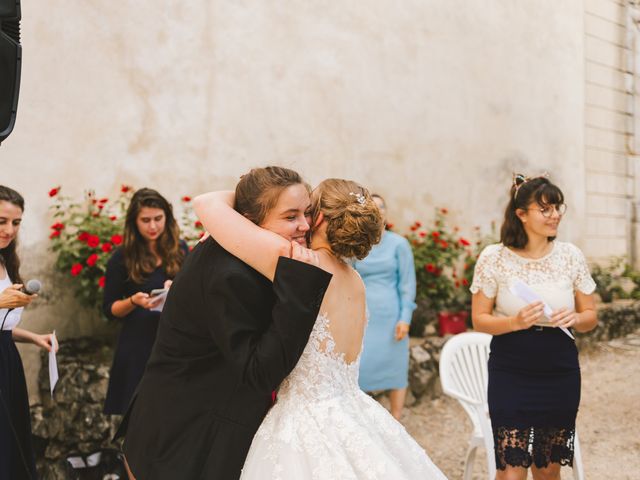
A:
{"points": [[547, 211]]}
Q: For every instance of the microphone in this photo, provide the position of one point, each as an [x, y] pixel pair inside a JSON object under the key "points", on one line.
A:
{"points": [[32, 287]]}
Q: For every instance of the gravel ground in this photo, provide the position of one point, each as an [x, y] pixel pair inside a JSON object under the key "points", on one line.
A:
{"points": [[608, 421]]}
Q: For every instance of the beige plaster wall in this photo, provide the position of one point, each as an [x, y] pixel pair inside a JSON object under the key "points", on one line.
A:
{"points": [[427, 102]]}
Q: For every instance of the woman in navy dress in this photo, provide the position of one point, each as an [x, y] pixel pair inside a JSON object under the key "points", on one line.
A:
{"points": [[150, 257], [17, 461], [534, 374], [389, 276]]}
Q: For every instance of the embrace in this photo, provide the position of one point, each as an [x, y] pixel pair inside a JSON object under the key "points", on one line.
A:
{"points": [[269, 303]]}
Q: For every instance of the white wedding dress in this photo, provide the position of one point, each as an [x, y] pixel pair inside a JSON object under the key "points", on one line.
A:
{"points": [[323, 427]]}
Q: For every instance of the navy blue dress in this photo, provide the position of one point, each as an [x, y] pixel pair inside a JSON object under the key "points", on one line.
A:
{"points": [[138, 331]]}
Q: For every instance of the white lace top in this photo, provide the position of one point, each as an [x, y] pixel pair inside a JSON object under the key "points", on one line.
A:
{"points": [[13, 317], [555, 277]]}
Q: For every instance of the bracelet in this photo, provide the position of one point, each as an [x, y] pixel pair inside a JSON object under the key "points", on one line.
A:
{"points": [[131, 300]]}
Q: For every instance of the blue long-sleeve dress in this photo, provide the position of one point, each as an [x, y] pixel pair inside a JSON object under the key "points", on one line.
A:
{"points": [[390, 281]]}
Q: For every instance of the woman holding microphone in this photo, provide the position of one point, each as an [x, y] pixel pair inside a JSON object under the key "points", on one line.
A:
{"points": [[17, 460]]}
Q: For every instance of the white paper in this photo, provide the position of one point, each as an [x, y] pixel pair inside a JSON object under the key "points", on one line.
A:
{"points": [[159, 302], [53, 364], [524, 292]]}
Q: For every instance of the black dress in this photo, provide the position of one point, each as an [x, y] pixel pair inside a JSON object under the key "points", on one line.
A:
{"points": [[138, 331], [227, 338], [17, 461]]}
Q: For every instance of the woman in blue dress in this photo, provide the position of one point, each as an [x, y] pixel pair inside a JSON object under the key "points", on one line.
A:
{"points": [[389, 276], [151, 256]]}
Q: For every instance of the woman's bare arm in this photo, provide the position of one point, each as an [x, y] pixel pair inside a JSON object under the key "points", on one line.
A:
{"points": [[256, 246]]}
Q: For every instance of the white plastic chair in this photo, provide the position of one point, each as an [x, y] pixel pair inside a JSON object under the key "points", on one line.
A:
{"points": [[463, 375]]}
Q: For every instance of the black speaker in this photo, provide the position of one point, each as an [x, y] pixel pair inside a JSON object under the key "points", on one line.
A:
{"points": [[10, 63]]}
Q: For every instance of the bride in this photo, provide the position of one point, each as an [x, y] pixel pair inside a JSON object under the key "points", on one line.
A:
{"points": [[322, 426]]}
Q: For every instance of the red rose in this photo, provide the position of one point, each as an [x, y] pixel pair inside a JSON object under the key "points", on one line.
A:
{"points": [[457, 284], [94, 201], [389, 226], [186, 198], [101, 281], [104, 200], [54, 191], [106, 247], [76, 269], [83, 237], [444, 211], [465, 282], [54, 234], [435, 235], [116, 239], [201, 234], [125, 188], [100, 207], [93, 241], [430, 267], [464, 242], [413, 228], [443, 244], [93, 258], [418, 224], [57, 226], [112, 218], [438, 272], [423, 234], [198, 224]]}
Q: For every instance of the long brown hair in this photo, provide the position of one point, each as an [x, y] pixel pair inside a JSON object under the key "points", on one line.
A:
{"points": [[258, 191], [522, 194], [138, 258], [9, 255]]}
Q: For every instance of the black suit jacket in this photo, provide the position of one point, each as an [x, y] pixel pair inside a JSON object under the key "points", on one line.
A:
{"points": [[227, 338]]}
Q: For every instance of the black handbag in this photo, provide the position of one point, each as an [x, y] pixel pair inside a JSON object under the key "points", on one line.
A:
{"points": [[103, 464]]}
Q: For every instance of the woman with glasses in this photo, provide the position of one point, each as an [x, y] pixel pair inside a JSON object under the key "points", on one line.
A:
{"points": [[534, 375]]}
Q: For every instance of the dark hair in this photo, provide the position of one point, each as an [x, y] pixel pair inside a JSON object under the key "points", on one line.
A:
{"points": [[354, 223], [384, 202], [9, 255], [258, 191], [138, 258], [523, 193]]}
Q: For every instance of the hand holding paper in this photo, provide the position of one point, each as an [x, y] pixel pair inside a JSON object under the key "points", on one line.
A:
{"points": [[524, 292], [53, 364]]}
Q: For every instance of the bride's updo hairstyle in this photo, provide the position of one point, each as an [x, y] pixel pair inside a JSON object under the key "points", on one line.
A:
{"points": [[258, 191], [354, 223]]}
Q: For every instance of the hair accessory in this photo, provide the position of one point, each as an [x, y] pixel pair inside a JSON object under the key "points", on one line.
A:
{"points": [[359, 197], [519, 179]]}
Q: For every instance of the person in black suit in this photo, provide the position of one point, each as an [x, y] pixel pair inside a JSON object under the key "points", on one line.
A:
{"points": [[227, 338]]}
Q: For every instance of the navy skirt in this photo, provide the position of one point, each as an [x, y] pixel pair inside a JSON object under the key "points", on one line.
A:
{"points": [[533, 395], [17, 460]]}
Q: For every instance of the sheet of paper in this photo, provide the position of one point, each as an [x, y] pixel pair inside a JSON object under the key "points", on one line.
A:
{"points": [[159, 302], [53, 364], [524, 292]]}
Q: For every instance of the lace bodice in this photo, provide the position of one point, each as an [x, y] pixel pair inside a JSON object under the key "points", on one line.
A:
{"points": [[321, 372], [323, 427], [555, 277]]}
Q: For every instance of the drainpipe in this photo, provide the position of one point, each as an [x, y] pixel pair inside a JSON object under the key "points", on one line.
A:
{"points": [[632, 87]]}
